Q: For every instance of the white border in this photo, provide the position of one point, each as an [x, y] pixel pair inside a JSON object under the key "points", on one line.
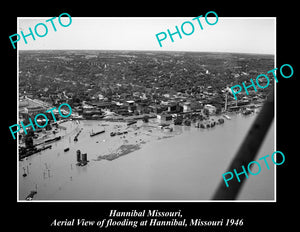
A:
{"points": [[17, 158], [275, 114], [154, 201]]}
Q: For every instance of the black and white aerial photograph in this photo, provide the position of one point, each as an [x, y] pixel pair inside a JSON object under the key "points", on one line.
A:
{"points": [[145, 122]]}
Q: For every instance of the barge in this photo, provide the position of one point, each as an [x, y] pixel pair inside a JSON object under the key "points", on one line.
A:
{"points": [[131, 122], [97, 133]]}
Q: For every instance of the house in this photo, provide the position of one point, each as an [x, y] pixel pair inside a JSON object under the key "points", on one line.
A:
{"points": [[164, 116], [103, 105], [122, 110], [174, 108], [142, 108], [157, 109], [196, 105], [131, 105], [211, 109], [92, 114], [186, 107]]}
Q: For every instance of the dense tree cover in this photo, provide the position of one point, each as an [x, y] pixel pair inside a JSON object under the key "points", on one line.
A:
{"points": [[84, 73]]}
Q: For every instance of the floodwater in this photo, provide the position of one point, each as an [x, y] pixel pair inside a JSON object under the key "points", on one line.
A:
{"points": [[184, 164]]}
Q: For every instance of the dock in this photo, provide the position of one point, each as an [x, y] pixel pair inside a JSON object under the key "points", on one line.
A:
{"points": [[28, 152]]}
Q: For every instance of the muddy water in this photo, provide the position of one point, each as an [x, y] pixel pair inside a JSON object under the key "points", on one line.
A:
{"points": [[185, 164]]}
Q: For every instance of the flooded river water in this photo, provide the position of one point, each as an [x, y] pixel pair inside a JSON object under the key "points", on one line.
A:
{"points": [[184, 164]]}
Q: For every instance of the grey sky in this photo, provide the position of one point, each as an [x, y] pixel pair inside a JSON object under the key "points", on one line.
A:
{"points": [[244, 35]]}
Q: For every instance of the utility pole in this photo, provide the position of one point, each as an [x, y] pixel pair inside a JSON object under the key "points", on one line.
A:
{"points": [[248, 149]]}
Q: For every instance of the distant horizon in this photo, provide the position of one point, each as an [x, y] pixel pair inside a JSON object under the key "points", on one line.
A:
{"points": [[161, 51]]}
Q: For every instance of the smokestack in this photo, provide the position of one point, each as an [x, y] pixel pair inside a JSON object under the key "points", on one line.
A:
{"points": [[84, 158], [78, 155], [225, 108]]}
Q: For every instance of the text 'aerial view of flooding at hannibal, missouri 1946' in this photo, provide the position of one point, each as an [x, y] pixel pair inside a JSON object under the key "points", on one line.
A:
{"points": [[143, 122]]}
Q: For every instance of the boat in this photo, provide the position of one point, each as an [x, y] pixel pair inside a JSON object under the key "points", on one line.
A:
{"points": [[178, 121], [112, 133], [226, 116], [52, 140], [131, 122], [30, 195], [145, 119], [66, 149], [187, 122], [24, 174], [170, 129], [76, 136], [97, 133], [221, 120], [162, 125], [118, 133], [247, 111]]}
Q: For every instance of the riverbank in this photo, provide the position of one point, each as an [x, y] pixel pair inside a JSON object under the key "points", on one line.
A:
{"points": [[142, 133], [131, 136]]}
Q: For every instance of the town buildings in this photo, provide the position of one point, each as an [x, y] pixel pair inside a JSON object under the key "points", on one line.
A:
{"points": [[128, 83]]}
